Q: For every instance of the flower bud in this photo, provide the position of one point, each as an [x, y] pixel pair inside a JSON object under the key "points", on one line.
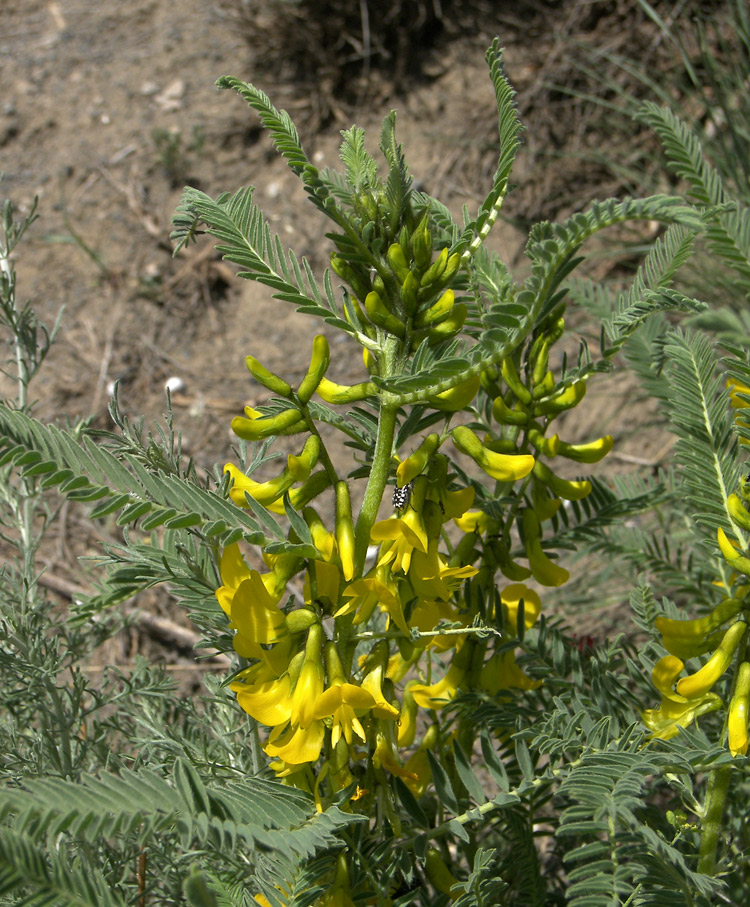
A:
{"points": [[258, 427], [566, 398], [345, 530], [340, 394], [561, 488], [695, 685], [435, 271], [739, 709], [416, 462], [319, 362], [456, 398], [397, 261], [503, 467], [268, 379], [438, 311]]}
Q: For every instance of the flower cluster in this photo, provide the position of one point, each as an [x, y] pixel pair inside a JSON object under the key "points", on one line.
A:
{"points": [[344, 673], [683, 699], [341, 672], [298, 685]]}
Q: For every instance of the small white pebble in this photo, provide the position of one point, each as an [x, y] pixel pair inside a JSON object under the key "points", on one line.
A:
{"points": [[174, 385]]}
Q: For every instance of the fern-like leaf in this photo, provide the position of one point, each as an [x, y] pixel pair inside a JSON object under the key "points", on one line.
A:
{"points": [[509, 128], [361, 167], [246, 239], [552, 247], [85, 471], [699, 411], [37, 876], [621, 856], [252, 813], [650, 291], [683, 149], [398, 183], [728, 222]]}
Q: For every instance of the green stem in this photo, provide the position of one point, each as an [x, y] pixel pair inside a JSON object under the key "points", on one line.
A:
{"points": [[718, 786], [390, 362], [381, 466]]}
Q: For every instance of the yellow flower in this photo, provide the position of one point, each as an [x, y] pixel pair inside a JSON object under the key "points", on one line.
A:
{"points": [[267, 702], [399, 666], [372, 591], [473, 521], [405, 534], [416, 462], [282, 567], [310, 681], [265, 689], [385, 754], [402, 534], [500, 672], [427, 614], [407, 723], [432, 578], [327, 583], [265, 493], [255, 616], [323, 539], [251, 608], [346, 541], [425, 573], [511, 598], [418, 764], [735, 388], [437, 695], [308, 689], [297, 745], [675, 711], [341, 701], [278, 657], [455, 503], [233, 571], [373, 684]]}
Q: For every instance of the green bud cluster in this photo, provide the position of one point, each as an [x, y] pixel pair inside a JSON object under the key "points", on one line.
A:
{"points": [[406, 293]]}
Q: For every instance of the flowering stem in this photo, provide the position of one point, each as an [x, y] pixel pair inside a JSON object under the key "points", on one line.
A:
{"points": [[381, 458], [718, 786], [381, 464]]}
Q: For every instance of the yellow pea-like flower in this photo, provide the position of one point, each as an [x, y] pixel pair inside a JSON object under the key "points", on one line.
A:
{"points": [[739, 711], [503, 467], [456, 398], [701, 682]]}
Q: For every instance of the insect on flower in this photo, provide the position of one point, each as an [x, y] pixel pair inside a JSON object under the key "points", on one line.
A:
{"points": [[401, 498]]}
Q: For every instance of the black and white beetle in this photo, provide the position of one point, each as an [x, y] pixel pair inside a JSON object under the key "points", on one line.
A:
{"points": [[401, 498]]}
